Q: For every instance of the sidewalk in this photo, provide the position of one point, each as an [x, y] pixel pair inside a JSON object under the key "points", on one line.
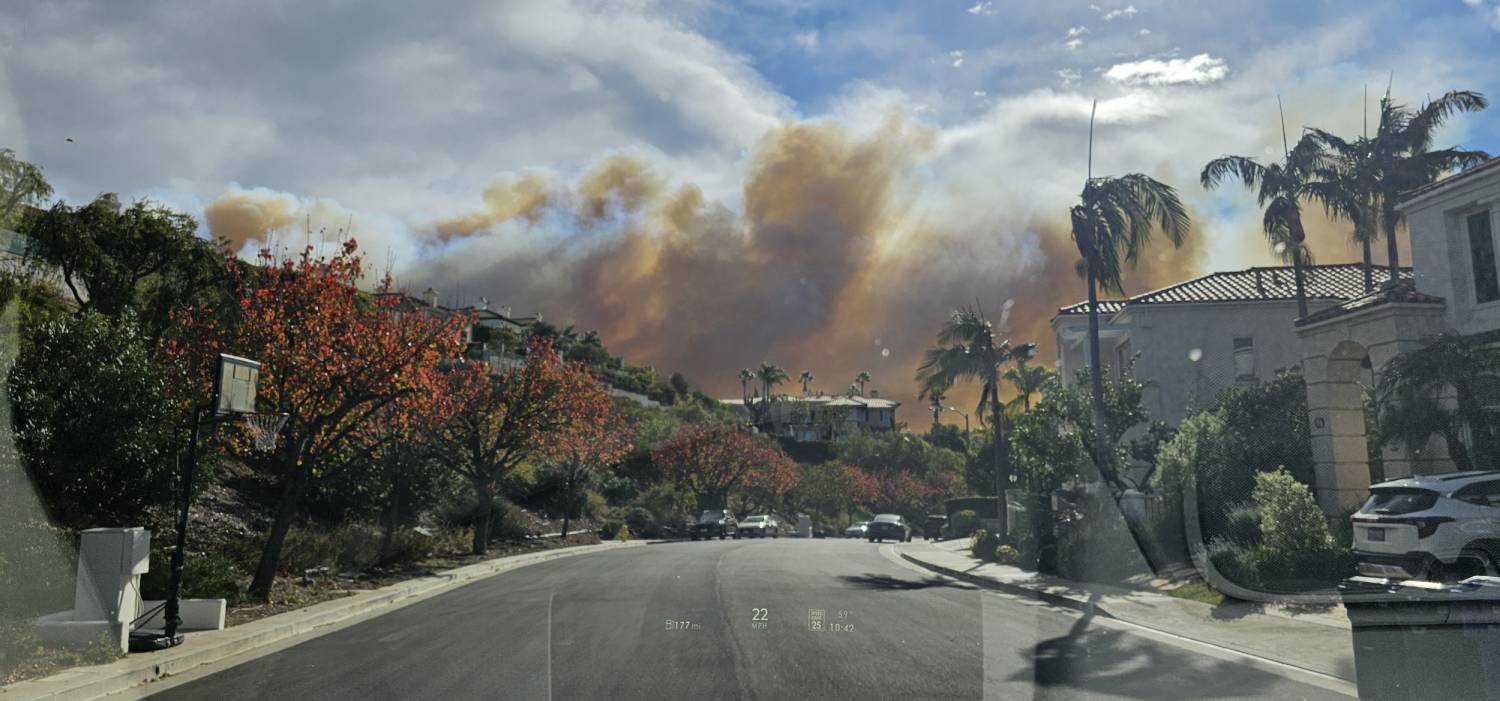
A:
{"points": [[83, 683], [1314, 639]]}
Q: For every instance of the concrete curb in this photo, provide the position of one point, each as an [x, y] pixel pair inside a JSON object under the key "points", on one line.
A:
{"points": [[1046, 597], [85, 683]]}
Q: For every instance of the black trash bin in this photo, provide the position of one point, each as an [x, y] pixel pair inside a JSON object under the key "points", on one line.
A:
{"points": [[1425, 640]]}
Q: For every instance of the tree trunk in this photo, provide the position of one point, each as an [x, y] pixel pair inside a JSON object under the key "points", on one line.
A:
{"points": [[1367, 266], [392, 521], [1388, 222], [286, 510], [567, 508], [1001, 456], [1096, 381], [1457, 451], [486, 505], [1299, 236]]}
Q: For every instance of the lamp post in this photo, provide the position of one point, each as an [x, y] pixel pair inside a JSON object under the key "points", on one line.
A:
{"points": [[966, 425]]}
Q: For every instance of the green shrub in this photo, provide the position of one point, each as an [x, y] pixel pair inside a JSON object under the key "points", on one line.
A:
{"points": [[641, 522], [341, 548], [963, 523], [982, 544], [1242, 524], [610, 528], [1290, 520], [204, 576], [1006, 555]]}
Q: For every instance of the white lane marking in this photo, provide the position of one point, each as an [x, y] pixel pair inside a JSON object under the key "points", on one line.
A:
{"points": [[549, 643]]}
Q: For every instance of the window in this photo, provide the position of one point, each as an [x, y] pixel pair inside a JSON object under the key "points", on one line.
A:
{"points": [[1122, 359], [1482, 258], [1244, 358], [1481, 494]]}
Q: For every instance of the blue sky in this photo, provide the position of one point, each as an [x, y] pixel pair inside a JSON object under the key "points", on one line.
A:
{"points": [[810, 152]]}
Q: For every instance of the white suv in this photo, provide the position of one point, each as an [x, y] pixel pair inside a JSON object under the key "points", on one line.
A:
{"points": [[1420, 527]]}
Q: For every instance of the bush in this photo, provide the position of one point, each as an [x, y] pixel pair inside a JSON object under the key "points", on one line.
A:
{"points": [[351, 547], [963, 523], [1290, 520], [1242, 525], [204, 576], [611, 528], [982, 544], [1006, 555], [641, 522], [1241, 564]]}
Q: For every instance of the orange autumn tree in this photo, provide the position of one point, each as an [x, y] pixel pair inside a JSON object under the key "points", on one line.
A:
{"points": [[715, 459], [504, 420], [333, 359], [597, 439]]}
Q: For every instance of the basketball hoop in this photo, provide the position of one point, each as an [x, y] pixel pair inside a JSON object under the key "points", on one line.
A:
{"points": [[265, 429]]}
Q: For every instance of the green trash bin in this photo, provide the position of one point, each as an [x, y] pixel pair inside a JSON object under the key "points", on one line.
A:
{"points": [[1425, 640]]}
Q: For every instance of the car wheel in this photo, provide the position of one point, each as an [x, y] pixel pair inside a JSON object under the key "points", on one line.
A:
{"points": [[1478, 560], [872, 540]]}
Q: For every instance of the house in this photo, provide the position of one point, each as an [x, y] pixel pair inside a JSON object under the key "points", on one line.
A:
{"points": [[1201, 336], [478, 336], [1454, 288], [821, 417]]}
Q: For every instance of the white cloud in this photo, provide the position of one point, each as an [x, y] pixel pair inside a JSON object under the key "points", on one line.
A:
{"points": [[1144, 32], [981, 93], [1073, 44], [807, 40], [983, 8], [1075, 32], [1068, 76], [1474, 3], [1198, 70], [1127, 12], [958, 58]]}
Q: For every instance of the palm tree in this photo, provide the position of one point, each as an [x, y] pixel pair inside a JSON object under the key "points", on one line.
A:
{"points": [[770, 375], [1113, 223], [1411, 390], [1375, 171], [805, 378], [968, 350], [746, 376], [1028, 380], [1280, 188], [861, 379]]}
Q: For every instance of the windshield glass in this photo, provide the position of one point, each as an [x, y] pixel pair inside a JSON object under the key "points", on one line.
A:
{"points": [[1125, 349], [1398, 500]]}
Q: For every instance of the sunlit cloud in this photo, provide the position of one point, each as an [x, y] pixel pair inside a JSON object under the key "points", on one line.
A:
{"points": [[983, 8], [1198, 70]]}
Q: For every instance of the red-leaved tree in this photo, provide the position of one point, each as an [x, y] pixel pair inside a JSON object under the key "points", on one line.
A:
{"points": [[505, 419], [597, 439], [714, 459], [333, 359]]}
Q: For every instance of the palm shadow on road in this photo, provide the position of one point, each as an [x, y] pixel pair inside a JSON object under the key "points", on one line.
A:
{"points": [[888, 583], [1115, 663]]}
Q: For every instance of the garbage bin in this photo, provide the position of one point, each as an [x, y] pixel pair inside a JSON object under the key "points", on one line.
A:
{"points": [[1425, 640]]}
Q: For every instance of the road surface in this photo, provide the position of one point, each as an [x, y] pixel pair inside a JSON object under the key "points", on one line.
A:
{"points": [[763, 619]]}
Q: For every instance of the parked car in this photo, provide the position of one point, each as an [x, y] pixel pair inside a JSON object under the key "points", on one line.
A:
{"points": [[933, 528], [1427, 526], [891, 526], [857, 529], [715, 522], [759, 527]]}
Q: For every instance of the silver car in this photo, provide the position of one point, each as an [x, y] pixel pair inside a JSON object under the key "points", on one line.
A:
{"points": [[857, 529]]}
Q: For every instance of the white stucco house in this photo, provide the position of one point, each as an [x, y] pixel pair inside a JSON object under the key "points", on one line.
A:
{"points": [[1201, 336], [1455, 287], [823, 417]]}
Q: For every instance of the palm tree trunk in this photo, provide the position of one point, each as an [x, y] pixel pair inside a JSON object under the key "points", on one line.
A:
{"points": [[1298, 274], [1364, 246], [1096, 378], [1000, 454], [1388, 222], [1457, 451]]}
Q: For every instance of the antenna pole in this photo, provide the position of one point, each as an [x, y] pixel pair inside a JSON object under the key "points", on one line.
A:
{"points": [[1285, 150]]}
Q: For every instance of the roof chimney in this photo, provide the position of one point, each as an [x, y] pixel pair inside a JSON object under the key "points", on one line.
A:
{"points": [[430, 297]]}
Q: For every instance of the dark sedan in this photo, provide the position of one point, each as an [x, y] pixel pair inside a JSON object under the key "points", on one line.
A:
{"points": [[889, 526], [715, 522]]}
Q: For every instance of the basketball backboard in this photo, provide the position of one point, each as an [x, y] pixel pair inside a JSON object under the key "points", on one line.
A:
{"points": [[235, 392]]}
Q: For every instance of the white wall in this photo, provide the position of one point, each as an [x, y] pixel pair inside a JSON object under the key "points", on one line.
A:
{"points": [[1440, 248]]}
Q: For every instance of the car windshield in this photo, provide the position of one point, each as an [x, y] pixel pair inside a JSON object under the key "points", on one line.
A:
{"points": [[393, 346], [1398, 500]]}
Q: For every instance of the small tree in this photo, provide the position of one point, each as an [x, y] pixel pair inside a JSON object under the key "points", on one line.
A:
{"points": [[93, 420], [596, 439], [505, 420], [332, 359], [714, 459], [1290, 520]]}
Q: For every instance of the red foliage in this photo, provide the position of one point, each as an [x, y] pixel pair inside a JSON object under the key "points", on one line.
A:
{"points": [[713, 460]]}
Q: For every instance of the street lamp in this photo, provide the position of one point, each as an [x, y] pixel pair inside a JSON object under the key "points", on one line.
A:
{"points": [[966, 425]]}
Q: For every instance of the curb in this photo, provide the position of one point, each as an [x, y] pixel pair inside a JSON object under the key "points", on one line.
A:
{"points": [[1036, 594], [85, 683]]}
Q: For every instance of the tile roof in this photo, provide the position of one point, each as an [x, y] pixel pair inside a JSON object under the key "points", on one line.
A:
{"points": [[1491, 164], [1106, 306], [1343, 281], [1399, 293]]}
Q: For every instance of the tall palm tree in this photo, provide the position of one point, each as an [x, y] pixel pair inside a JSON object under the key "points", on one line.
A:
{"points": [[805, 378], [969, 351], [1112, 224], [746, 376], [1375, 171], [861, 379], [770, 375], [1280, 188], [1028, 380]]}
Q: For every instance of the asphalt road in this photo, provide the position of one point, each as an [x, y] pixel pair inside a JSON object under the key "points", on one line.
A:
{"points": [[679, 621]]}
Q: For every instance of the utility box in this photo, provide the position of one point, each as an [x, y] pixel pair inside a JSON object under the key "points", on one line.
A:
{"points": [[804, 526], [1425, 640], [107, 595]]}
